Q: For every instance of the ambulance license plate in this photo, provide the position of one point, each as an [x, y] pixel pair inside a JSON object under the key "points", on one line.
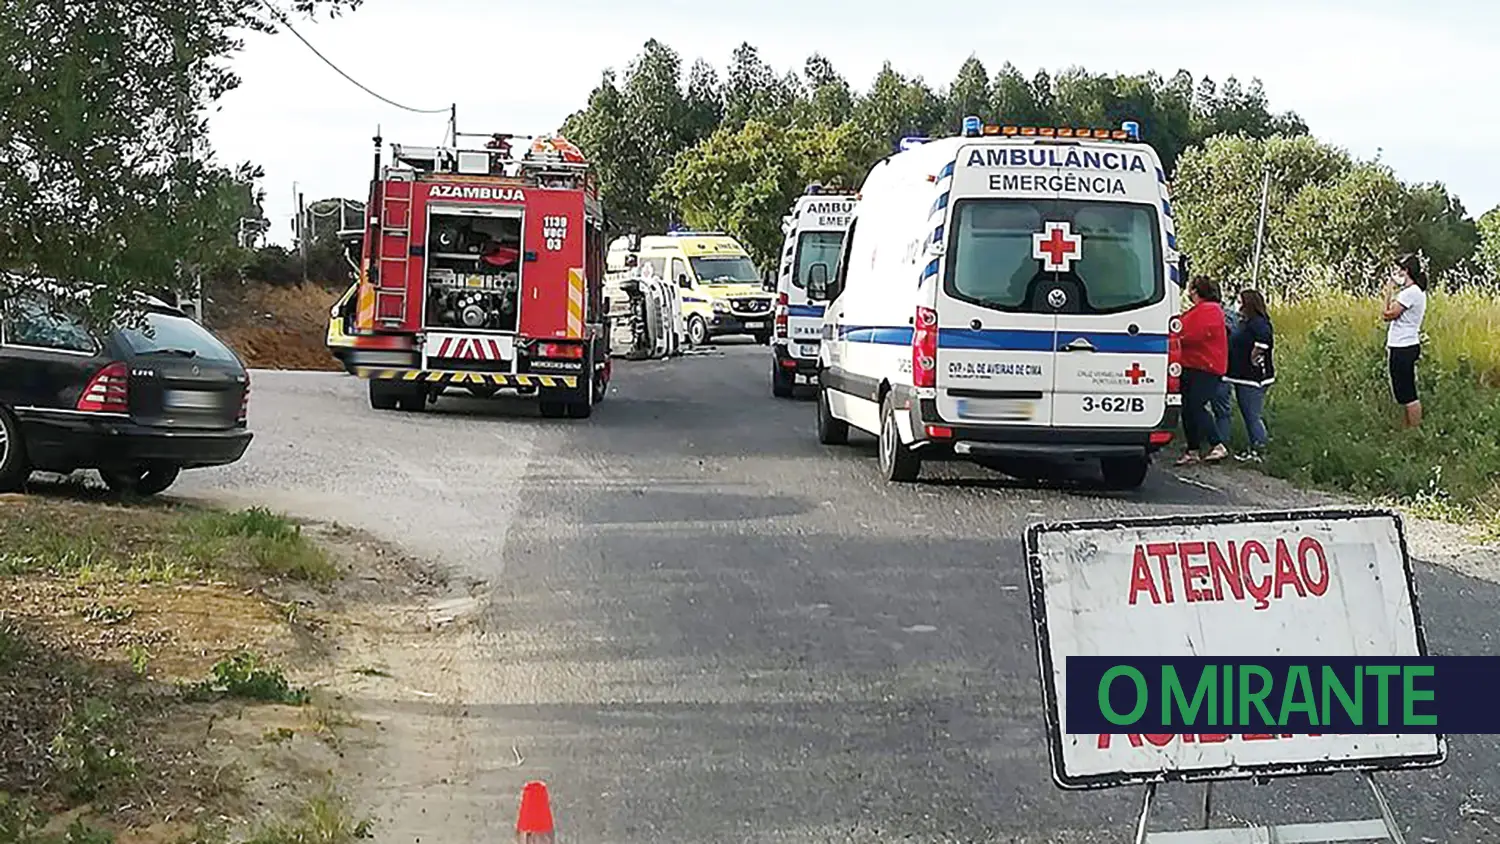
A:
{"points": [[1000, 410]]}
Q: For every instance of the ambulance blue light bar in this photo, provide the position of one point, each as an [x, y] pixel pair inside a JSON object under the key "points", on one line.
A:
{"points": [[973, 126], [683, 233], [1060, 132], [912, 141]]}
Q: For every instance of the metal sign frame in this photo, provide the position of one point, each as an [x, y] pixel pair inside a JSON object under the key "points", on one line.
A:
{"points": [[1052, 705]]}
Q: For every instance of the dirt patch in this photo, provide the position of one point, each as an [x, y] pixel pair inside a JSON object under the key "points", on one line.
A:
{"points": [[165, 685], [273, 327]]}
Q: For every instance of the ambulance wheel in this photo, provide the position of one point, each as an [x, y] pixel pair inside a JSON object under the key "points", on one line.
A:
{"points": [[697, 331], [898, 463], [783, 383], [1124, 472], [831, 431], [763, 338], [382, 396]]}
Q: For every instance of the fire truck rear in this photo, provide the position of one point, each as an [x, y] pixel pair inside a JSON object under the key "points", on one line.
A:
{"points": [[483, 271]]}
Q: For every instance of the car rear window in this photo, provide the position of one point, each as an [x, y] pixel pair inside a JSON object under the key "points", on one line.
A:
{"points": [[161, 333], [816, 248], [991, 259]]}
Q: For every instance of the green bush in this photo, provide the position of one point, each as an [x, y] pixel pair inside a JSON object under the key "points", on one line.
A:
{"points": [[88, 752], [245, 675]]}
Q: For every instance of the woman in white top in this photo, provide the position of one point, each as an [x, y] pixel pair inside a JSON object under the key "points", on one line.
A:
{"points": [[1405, 305]]}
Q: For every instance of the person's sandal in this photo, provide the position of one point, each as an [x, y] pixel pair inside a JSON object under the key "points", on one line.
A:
{"points": [[1188, 459], [1219, 453]]}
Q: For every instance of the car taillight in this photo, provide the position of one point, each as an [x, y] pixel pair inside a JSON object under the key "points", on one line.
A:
{"points": [[569, 351], [1174, 356], [781, 315], [924, 345], [108, 391], [245, 401]]}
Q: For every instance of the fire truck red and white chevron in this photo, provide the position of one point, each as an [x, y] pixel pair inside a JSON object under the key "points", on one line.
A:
{"points": [[469, 347]]}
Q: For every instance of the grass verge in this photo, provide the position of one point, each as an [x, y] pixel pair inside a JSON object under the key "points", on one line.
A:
{"points": [[140, 678], [1334, 424], [154, 543]]}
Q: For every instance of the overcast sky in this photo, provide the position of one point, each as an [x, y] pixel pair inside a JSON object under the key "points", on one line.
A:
{"points": [[1407, 79]]}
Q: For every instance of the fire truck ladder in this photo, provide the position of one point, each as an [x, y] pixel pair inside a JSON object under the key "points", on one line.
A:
{"points": [[395, 249]]}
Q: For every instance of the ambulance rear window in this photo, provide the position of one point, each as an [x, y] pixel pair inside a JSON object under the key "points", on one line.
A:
{"points": [[992, 253], [816, 248]]}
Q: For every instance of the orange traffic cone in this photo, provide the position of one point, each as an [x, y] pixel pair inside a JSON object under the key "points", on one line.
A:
{"points": [[534, 822]]}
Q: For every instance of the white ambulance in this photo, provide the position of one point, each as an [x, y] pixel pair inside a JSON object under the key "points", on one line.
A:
{"points": [[814, 234], [1005, 295]]}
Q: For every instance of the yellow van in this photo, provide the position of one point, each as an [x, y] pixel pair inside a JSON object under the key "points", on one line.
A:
{"points": [[341, 323], [722, 292]]}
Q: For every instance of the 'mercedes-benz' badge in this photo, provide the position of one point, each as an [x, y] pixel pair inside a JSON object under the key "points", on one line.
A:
{"points": [[1057, 297]]}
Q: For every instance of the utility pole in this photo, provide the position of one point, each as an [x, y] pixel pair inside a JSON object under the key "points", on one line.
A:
{"points": [[302, 235], [1260, 227]]}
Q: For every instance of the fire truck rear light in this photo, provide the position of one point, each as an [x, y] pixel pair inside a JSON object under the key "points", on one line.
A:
{"points": [[939, 432], [108, 391], [568, 351], [1161, 437]]}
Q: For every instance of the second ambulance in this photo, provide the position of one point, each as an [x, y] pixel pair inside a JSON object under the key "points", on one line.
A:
{"points": [[814, 235], [1008, 294]]}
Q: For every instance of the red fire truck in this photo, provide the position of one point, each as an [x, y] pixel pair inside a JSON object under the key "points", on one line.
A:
{"points": [[483, 270]]}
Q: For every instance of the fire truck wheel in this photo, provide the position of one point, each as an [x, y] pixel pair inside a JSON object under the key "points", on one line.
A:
{"points": [[552, 409], [382, 396], [414, 401], [580, 410], [697, 331]]}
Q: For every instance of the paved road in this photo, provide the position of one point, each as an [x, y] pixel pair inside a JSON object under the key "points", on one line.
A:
{"points": [[706, 627]]}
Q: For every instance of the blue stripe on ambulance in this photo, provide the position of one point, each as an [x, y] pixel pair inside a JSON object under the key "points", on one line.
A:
{"points": [[1011, 340], [804, 310]]}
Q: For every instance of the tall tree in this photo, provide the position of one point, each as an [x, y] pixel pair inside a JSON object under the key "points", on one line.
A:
{"points": [[752, 90], [1488, 254], [1012, 100], [896, 107], [969, 94], [616, 154], [106, 176], [704, 103], [830, 100]]}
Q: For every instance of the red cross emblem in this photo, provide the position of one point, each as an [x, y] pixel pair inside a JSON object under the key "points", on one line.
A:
{"points": [[1057, 247], [1135, 373]]}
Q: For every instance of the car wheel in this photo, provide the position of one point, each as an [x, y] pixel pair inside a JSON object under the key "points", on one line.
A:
{"points": [[1124, 472], [897, 462], [14, 467], [697, 331], [783, 383], [382, 397], [141, 481], [831, 430]]}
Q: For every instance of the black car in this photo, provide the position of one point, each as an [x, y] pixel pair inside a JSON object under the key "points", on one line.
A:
{"points": [[138, 403]]}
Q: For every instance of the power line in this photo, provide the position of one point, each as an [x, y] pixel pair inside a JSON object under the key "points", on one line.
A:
{"points": [[288, 24]]}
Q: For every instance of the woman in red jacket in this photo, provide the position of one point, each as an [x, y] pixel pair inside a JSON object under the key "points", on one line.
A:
{"points": [[1205, 357]]}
